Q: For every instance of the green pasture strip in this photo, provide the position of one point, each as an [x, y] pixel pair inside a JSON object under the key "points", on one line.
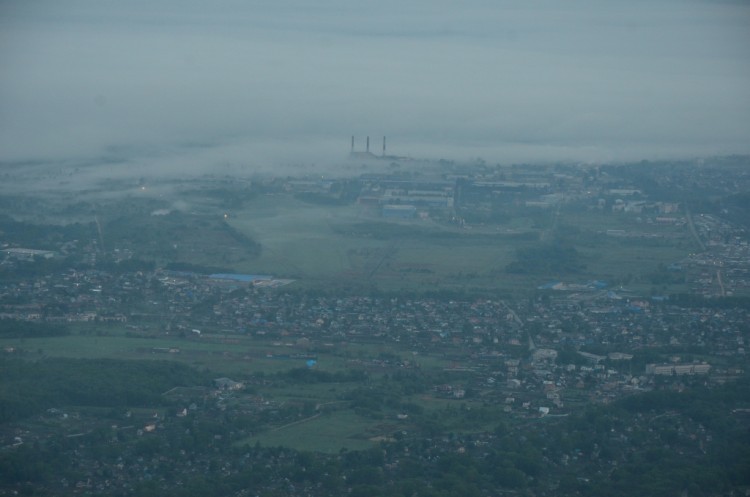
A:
{"points": [[246, 357], [620, 260], [322, 245], [450, 260], [329, 432]]}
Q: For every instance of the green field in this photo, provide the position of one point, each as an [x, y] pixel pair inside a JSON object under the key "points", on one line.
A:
{"points": [[328, 432], [340, 246], [248, 357], [225, 354], [346, 247]]}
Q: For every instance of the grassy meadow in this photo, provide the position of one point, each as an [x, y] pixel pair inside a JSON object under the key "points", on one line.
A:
{"points": [[327, 432], [342, 246]]}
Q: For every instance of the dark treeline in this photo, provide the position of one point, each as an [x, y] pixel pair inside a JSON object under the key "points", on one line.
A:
{"points": [[43, 236], [252, 246], [188, 267], [30, 387], [393, 231], [13, 328], [699, 301], [321, 198], [39, 267], [310, 375]]}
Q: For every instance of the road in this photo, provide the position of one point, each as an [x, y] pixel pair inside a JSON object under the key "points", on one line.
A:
{"points": [[691, 225]]}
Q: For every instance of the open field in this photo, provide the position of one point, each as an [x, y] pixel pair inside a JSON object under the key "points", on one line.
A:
{"points": [[346, 246], [222, 354], [221, 358], [328, 432], [333, 246]]}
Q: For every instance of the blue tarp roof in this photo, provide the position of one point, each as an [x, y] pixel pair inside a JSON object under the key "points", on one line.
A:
{"points": [[549, 286]]}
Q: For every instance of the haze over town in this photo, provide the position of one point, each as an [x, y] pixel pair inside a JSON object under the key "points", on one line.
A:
{"points": [[183, 86], [541, 287]]}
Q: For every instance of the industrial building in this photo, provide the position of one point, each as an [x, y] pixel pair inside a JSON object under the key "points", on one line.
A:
{"points": [[28, 254], [678, 369]]}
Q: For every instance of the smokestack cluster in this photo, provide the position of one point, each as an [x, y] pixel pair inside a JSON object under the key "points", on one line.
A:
{"points": [[367, 146]]}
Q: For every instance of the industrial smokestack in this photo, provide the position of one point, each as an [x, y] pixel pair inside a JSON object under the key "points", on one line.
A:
{"points": [[352, 143], [384, 146], [368, 144]]}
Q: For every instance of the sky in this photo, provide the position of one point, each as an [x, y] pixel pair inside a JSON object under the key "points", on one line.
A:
{"points": [[165, 84]]}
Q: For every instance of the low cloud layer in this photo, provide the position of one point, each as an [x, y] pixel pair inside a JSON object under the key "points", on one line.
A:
{"points": [[161, 83]]}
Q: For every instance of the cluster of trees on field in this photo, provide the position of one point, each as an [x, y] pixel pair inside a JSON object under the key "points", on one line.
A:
{"points": [[150, 236], [227, 197]]}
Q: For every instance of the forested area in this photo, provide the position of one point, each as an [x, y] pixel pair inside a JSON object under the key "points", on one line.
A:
{"points": [[31, 387], [44, 236], [694, 440]]}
